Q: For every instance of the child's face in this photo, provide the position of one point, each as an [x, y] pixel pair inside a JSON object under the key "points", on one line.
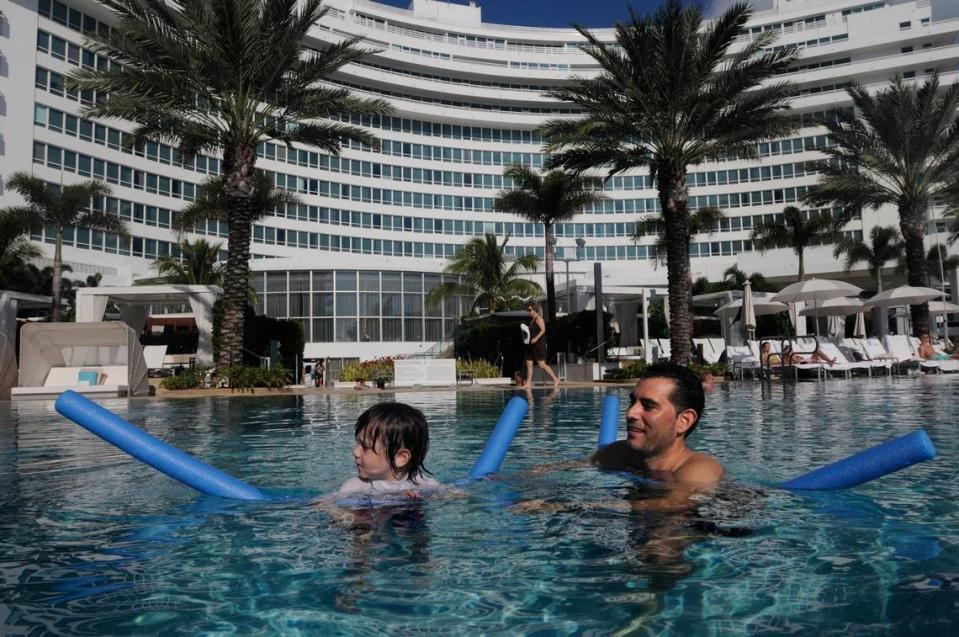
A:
{"points": [[372, 462]]}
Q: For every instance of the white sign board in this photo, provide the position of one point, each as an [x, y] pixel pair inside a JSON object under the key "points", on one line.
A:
{"points": [[424, 371]]}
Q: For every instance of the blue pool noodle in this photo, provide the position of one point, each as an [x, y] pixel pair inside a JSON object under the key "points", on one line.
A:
{"points": [[609, 422], [156, 453], [890, 456], [499, 441]]}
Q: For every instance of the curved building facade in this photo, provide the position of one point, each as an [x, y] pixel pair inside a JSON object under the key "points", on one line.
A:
{"points": [[354, 262]]}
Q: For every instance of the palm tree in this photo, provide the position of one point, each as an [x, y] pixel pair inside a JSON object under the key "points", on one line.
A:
{"points": [[198, 264], [225, 76], [735, 279], [485, 276], [901, 148], [15, 249], [671, 93], [16, 222], [701, 221], [795, 231], [547, 199], [60, 207], [949, 262], [884, 245]]}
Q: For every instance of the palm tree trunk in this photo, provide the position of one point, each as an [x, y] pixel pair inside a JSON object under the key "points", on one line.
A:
{"points": [[673, 197], [802, 264], [238, 166], [550, 284], [879, 279], [57, 273], [912, 226]]}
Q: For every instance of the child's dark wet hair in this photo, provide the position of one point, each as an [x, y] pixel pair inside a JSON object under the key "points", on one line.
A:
{"points": [[398, 426]]}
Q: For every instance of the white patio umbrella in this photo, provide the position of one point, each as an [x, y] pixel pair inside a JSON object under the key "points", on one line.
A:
{"points": [[902, 295], [749, 311], [943, 307], [762, 305], [839, 306], [817, 291]]}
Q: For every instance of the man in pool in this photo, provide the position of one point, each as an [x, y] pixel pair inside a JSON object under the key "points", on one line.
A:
{"points": [[665, 408]]}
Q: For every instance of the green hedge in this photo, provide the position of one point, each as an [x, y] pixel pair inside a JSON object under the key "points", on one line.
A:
{"points": [[258, 331], [237, 376]]}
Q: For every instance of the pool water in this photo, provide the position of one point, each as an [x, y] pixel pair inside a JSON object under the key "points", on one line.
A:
{"points": [[93, 542]]}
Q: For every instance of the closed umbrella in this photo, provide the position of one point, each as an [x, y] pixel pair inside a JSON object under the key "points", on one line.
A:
{"points": [[859, 330], [749, 311]]}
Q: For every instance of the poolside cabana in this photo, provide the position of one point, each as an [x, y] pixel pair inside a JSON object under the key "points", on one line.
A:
{"points": [[99, 359], [135, 302], [11, 303], [8, 367]]}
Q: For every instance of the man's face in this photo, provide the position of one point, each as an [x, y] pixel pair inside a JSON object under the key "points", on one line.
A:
{"points": [[651, 418]]}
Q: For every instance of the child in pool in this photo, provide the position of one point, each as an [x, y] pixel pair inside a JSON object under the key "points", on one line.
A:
{"points": [[391, 444]]}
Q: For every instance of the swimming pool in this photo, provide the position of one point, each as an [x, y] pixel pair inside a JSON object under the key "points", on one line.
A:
{"points": [[93, 542]]}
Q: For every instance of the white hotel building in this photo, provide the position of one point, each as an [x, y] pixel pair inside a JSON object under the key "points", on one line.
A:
{"points": [[353, 263]]}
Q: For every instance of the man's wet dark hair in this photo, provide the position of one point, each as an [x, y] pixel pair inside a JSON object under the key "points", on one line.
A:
{"points": [[687, 388], [398, 426]]}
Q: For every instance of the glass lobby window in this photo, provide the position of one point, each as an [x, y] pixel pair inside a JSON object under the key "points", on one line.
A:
{"points": [[323, 281], [346, 330], [369, 329], [345, 304], [412, 282], [392, 329], [413, 329], [431, 281], [323, 330], [323, 304], [276, 305], [345, 280], [434, 330], [276, 281], [369, 281]]}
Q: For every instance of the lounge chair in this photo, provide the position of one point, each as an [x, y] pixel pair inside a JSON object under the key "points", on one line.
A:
{"points": [[877, 352], [899, 346], [843, 364], [739, 358], [945, 365], [855, 350]]}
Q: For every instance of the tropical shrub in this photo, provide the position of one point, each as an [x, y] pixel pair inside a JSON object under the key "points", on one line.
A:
{"points": [[479, 368], [368, 370], [187, 379]]}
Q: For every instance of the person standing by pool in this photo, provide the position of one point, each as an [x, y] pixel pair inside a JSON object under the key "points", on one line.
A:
{"points": [[536, 350]]}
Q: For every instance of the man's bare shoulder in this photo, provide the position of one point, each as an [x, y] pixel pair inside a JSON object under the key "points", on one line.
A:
{"points": [[616, 455], [699, 469]]}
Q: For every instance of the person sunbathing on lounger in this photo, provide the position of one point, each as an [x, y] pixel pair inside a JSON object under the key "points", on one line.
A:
{"points": [[928, 352], [789, 357]]}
